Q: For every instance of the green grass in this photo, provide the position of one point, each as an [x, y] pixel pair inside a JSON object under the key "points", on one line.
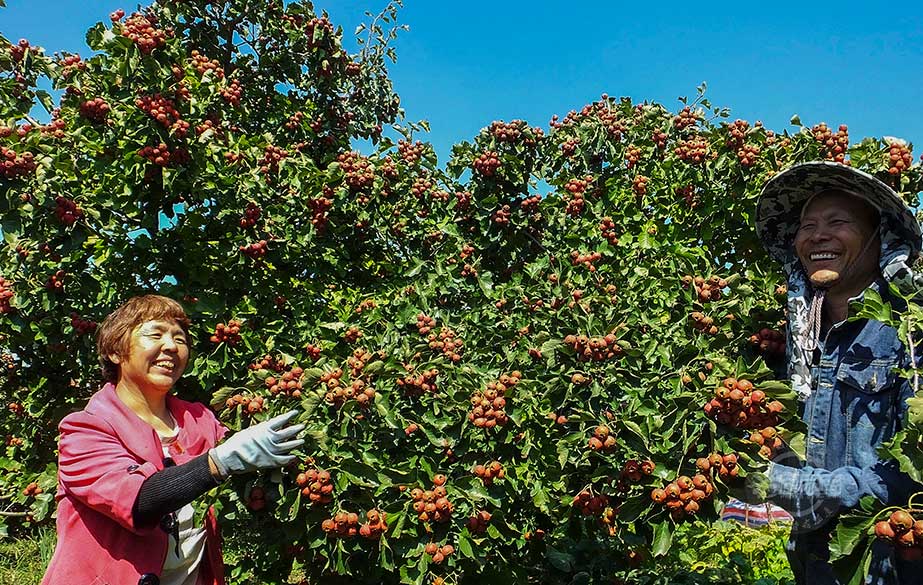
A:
{"points": [[23, 560]]}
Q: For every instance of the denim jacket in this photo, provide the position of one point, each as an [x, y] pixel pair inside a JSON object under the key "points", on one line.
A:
{"points": [[857, 402]]}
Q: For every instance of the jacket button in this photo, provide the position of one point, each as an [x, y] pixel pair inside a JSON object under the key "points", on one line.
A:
{"points": [[149, 579]]}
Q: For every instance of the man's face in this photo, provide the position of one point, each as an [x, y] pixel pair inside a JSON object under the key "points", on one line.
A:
{"points": [[833, 233]]}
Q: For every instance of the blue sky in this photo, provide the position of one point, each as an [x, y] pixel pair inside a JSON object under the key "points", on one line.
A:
{"points": [[464, 64]]}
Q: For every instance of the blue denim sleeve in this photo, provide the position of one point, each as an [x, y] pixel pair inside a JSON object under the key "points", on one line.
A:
{"points": [[813, 495]]}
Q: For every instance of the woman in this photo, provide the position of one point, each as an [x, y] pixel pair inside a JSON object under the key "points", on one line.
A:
{"points": [[133, 460]]}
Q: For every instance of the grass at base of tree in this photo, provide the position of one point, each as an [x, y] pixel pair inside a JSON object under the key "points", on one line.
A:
{"points": [[23, 560]]}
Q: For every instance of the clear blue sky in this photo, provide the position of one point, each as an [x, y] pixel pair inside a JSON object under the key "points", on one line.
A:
{"points": [[464, 64]]}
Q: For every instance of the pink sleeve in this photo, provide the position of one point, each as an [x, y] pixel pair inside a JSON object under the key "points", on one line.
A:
{"points": [[95, 468]]}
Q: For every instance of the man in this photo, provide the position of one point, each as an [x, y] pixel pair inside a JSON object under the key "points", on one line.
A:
{"points": [[839, 232]]}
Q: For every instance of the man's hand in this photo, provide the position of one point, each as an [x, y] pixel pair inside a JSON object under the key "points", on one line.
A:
{"points": [[262, 446], [754, 488]]}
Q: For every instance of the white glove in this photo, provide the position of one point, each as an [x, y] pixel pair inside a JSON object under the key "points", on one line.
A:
{"points": [[262, 446]]}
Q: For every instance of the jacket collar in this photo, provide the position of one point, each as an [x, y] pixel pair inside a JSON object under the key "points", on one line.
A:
{"points": [[137, 436]]}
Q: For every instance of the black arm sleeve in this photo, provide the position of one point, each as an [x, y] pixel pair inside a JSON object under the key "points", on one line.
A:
{"points": [[170, 489]]}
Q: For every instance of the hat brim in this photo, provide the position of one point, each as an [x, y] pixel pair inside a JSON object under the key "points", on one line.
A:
{"points": [[778, 210]]}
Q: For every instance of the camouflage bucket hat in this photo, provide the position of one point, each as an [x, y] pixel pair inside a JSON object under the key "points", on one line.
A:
{"points": [[778, 210]]}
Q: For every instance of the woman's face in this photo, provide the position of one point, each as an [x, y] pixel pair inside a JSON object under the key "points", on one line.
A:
{"points": [[158, 353]]}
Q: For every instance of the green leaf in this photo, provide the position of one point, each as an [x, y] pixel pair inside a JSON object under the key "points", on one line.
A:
{"points": [[560, 560], [663, 538]]}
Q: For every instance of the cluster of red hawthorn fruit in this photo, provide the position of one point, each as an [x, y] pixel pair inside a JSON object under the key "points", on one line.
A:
{"points": [[352, 334], [272, 156], [478, 522], [486, 163], [432, 505], [748, 155], [289, 383], [594, 348], [316, 485], [251, 215], [82, 326], [769, 441], [513, 131], [639, 185], [569, 147], [577, 188], [899, 157], [502, 215], [359, 172], [56, 128], [319, 208], [346, 525], [769, 343], [488, 473], [576, 259], [834, 145], [602, 440], [158, 107], [18, 51], [682, 497], [205, 65], [229, 333], [254, 250], [55, 282], [95, 110], [608, 229], [688, 194], [530, 204], [739, 404], [590, 503], [438, 554], [703, 323], [737, 134], [13, 166], [904, 531], [337, 392], [418, 384], [448, 342], [267, 362], [694, 150], [633, 471], [33, 489], [312, 351], [705, 290], [248, 404], [6, 296], [600, 110], [358, 360], [685, 118], [233, 93], [488, 405], [724, 465], [632, 156], [421, 185], [161, 155], [142, 31], [70, 64], [410, 152]]}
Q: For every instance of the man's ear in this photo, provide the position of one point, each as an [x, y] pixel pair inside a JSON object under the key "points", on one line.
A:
{"points": [[114, 358]]}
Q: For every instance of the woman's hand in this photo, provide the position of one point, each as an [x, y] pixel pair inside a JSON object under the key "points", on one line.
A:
{"points": [[262, 446]]}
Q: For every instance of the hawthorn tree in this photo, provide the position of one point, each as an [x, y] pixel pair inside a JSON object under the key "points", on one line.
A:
{"points": [[500, 384]]}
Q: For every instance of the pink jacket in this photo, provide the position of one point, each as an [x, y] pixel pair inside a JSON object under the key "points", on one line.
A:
{"points": [[105, 454]]}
